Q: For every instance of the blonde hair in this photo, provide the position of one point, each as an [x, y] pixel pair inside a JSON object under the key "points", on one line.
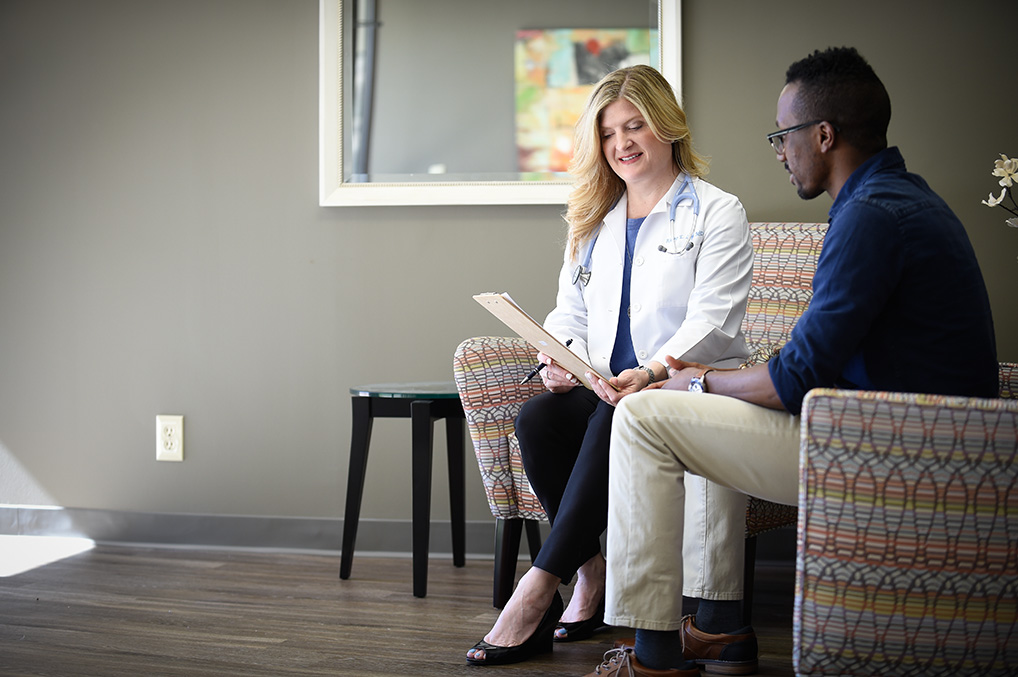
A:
{"points": [[597, 187]]}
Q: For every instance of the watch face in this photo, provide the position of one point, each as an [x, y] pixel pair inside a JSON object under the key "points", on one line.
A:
{"points": [[696, 385]]}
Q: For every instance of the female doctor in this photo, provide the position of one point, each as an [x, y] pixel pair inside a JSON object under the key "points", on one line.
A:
{"points": [[658, 262]]}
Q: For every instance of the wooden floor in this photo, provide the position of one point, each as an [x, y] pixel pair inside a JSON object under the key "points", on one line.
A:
{"points": [[153, 611]]}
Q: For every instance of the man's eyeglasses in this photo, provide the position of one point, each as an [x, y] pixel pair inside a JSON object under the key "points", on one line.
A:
{"points": [[777, 138]]}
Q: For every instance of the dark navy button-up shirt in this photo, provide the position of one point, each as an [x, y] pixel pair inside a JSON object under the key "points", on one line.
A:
{"points": [[898, 301]]}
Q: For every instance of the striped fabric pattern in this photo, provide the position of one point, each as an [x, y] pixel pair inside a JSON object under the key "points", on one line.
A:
{"points": [[487, 371], [908, 534], [784, 261]]}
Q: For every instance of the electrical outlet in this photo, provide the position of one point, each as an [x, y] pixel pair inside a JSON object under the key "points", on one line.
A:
{"points": [[169, 438]]}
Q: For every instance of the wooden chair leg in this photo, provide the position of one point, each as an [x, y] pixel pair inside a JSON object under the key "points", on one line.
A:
{"points": [[533, 538], [507, 550], [749, 570]]}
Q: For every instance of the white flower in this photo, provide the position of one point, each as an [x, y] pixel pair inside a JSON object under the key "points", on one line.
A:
{"points": [[1007, 169], [994, 201]]}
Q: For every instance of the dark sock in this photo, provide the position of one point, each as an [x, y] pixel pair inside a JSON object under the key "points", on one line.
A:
{"points": [[719, 616], [661, 650]]}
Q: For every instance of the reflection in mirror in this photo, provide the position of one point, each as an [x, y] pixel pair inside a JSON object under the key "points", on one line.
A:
{"points": [[439, 107]]}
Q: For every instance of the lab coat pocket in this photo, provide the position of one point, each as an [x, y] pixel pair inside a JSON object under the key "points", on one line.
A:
{"points": [[675, 282]]}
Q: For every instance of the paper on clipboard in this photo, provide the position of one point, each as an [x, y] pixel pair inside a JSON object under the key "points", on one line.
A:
{"points": [[514, 317]]}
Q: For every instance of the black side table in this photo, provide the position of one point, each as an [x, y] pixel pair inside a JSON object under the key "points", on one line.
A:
{"points": [[422, 403]]}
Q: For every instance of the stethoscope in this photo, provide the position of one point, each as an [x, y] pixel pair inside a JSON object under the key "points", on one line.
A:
{"points": [[685, 192]]}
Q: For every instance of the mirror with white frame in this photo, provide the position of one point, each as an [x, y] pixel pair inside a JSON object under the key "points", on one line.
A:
{"points": [[423, 103]]}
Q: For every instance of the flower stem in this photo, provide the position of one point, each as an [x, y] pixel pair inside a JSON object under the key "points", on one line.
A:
{"points": [[1011, 195]]}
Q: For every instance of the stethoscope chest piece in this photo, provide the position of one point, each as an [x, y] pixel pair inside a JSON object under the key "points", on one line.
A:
{"points": [[581, 274]]}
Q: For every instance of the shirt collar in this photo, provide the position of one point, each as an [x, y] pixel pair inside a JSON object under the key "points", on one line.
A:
{"points": [[887, 159]]}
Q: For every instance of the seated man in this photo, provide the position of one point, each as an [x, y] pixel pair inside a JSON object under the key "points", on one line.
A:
{"points": [[899, 304]]}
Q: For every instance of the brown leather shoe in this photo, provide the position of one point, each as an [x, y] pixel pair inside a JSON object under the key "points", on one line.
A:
{"points": [[720, 654], [622, 662]]}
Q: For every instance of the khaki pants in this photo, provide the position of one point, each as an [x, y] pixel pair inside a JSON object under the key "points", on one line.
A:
{"points": [[657, 437]]}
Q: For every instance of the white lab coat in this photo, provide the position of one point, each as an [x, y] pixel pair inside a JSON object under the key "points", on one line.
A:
{"points": [[689, 306]]}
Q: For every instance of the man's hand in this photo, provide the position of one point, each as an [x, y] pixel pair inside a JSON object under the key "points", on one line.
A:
{"points": [[751, 385], [680, 372]]}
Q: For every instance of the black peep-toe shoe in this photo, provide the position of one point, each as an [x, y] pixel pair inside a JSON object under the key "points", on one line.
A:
{"points": [[585, 629], [539, 642]]}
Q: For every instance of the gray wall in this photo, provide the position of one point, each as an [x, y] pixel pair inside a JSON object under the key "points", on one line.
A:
{"points": [[162, 250]]}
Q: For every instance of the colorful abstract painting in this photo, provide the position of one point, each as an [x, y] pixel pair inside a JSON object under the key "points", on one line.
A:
{"points": [[555, 71]]}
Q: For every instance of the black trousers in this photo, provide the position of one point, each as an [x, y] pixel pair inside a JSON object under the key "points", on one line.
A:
{"points": [[564, 440]]}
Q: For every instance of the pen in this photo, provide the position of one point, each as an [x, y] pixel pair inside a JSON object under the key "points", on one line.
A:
{"points": [[539, 367]]}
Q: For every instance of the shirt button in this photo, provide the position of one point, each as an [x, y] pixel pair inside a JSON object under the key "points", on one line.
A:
{"points": [[635, 307], [638, 261], [642, 354]]}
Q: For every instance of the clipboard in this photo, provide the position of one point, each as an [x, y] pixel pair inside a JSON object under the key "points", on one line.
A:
{"points": [[504, 308]]}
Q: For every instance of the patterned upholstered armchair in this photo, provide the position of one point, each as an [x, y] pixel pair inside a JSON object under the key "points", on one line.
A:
{"points": [[908, 534], [488, 371]]}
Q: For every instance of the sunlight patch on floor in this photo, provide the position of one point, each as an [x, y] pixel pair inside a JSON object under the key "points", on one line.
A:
{"points": [[19, 554]]}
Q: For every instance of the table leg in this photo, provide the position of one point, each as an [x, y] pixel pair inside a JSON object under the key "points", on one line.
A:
{"points": [[422, 432], [360, 439], [457, 493]]}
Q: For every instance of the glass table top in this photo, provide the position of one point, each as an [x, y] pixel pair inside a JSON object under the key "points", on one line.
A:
{"points": [[433, 390]]}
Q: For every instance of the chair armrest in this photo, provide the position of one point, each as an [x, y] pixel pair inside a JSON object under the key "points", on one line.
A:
{"points": [[488, 371], [908, 524], [1009, 380]]}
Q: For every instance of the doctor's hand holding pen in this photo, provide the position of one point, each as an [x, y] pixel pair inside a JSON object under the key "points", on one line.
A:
{"points": [[555, 378]]}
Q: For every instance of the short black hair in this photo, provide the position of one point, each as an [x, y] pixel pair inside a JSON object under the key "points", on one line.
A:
{"points": [[838, 85]]}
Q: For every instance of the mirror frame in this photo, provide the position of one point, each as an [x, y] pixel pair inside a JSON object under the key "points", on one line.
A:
{"points": [[333, 191]]}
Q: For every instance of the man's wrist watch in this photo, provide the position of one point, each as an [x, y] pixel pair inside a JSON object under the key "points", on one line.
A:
{"points": [[697, 384], [650, 372]]}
